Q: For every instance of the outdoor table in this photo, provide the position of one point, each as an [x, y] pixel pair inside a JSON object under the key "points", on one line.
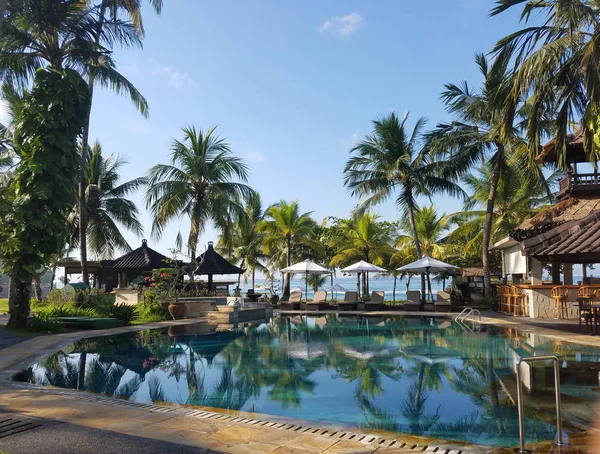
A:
{"points": [[594, 307]]}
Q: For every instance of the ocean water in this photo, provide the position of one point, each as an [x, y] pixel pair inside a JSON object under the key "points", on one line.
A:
{"points": [[384, 284]]}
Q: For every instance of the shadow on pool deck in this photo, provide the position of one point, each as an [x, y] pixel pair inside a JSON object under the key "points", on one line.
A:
{"points": [[7, 338]]}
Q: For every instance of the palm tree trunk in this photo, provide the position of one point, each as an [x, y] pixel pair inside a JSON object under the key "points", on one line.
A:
{"points": [[413, 227], [53, 276], [81, 371], [253, 276], [489, 219], [286, 290], [37, 286], [20, 312], [394, 289], [12, 293]]}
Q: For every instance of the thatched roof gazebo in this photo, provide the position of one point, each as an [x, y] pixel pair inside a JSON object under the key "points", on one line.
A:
{"points": [[211, 262]]}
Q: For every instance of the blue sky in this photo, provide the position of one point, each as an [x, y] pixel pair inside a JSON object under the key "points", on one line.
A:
{"points": [[291, 86]]}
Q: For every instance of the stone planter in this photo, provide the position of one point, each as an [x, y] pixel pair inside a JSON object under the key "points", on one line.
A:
{"points": [[177, 310]]}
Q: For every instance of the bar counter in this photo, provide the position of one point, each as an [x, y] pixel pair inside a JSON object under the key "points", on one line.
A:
{"points": [[540, 303]]}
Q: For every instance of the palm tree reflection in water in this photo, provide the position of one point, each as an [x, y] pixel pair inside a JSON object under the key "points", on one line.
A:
{"points": [[387, 373]]}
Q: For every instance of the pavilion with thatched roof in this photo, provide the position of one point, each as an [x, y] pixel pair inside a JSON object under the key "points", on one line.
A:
{"points": [[560, 236], [212, 263]]}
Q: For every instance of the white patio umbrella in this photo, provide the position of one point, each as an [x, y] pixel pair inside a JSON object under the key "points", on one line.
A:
{"points": [[335, 288], [362, 267], [426, 265], [296, 289], [305, 267]]}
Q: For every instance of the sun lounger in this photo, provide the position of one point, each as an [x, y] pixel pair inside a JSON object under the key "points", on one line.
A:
{"points": [[318, 303], [442, 302], [349, 303], [293, 302], [377, 302], [413, 301]]}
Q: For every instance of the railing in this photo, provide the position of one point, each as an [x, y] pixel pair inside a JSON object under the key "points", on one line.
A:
{"points": [[466, 312], [579, 181], [559, 440]]}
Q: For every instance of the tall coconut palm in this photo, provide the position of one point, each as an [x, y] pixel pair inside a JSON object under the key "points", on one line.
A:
{"points": [[287, 233], [363, 237], [518, 198], [198, 184], [244, 241], [74, 34], [475, 136], [393, 161], [431, 228], [106, 204], [557, 62], [108, 14]]}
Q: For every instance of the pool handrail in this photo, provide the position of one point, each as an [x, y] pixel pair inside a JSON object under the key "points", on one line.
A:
{"points": [[520, 360]]}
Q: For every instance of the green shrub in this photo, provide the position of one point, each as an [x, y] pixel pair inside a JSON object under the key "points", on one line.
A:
{"points": [[96, 299], [42, 323], [124, 312], [67, 310], [152, 306], [58, 297]]}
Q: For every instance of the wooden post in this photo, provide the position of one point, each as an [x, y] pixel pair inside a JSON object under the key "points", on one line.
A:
{"points": [[568, 273], [584, 272], [556, 273]]}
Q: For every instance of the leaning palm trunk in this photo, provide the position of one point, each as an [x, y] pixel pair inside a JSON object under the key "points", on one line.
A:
{"points": [[83, 178], [489, 218]]}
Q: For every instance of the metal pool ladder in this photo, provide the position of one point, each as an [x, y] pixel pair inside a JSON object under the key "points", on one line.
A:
{"points": [[530, 359], [466, 312]]}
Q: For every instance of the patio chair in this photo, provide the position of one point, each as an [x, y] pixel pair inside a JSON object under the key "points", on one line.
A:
{"points": [[318, 303], [413, 301], [293, 302], [349, 303], [559, 295], [442, 302], [377, 302], [585, 295]]}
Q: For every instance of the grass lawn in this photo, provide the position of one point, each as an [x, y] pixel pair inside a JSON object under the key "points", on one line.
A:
{"points": [[3, 307]]}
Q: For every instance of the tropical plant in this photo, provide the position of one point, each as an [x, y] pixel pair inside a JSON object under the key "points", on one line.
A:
{"points": [[518, 198], [109, 13], [244, 241], [198, 184], [107, 205], [431, 228], [41, 190], [288, 234], [391, 160], [557, 62], [474, 137]]}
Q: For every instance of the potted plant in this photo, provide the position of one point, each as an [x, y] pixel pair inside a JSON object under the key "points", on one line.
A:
{"points": [[165, 281]]}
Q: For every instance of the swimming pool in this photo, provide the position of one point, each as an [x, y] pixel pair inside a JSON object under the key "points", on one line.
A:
{"points": [[410, 375]]}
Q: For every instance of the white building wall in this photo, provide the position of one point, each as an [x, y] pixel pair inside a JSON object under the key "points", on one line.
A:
{"points": [[514, 261]]}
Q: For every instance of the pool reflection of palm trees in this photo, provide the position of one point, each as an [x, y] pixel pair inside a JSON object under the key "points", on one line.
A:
{"points": [[280, 362]]}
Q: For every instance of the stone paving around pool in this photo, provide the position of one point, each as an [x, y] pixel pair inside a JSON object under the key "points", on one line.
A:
{"points": [[217, 430]]}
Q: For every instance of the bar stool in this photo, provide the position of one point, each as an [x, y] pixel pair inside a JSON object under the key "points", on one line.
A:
{"points": [[585, 295], [559, 295], [518, 298], [501, 290]]}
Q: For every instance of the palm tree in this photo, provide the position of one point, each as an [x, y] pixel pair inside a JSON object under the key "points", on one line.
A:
{"points": [[197, 184], [74, 34], [243, 241], [363, 237], [108, 13], [288, 233], [518, 197], [475, 136], [106, 205], [391, 160], [431, 228], [557, 62]]}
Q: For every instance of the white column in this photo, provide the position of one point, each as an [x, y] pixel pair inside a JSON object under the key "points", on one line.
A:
{"points": [[568, 273], [536, 272]]}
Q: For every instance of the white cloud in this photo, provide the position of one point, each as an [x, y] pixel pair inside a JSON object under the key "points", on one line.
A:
{"points": [[255, 156], [174, 78], [342, 26]]}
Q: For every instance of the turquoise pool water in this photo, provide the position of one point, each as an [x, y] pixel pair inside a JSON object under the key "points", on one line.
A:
{"points": [[419, 376]]}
